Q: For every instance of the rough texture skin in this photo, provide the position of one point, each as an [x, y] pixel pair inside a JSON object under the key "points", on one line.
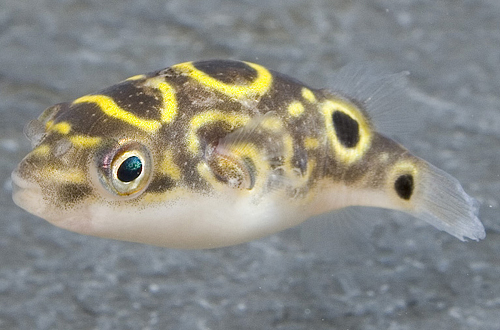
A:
{"points": [[415, 278], [179, 115], [213, 153], [229, 144]]}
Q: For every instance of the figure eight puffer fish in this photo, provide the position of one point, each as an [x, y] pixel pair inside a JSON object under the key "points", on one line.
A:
{"points": [[214, 153]]}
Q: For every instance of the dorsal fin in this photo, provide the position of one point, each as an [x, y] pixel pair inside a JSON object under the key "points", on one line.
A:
{"points": [[383, 96]]}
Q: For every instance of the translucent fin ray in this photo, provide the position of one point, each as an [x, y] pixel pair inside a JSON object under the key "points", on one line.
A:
{"points": [[383, 96], [340, 235], [444, 204]]}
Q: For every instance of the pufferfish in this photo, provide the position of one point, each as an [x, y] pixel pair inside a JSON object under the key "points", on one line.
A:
{"points": [[215, 153]]}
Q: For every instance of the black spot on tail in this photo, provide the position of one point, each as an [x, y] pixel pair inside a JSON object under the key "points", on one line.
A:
{"points": [[404, 186], [346, 128], [228, 72]]}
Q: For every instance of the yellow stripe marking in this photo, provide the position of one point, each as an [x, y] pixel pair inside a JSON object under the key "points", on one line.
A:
{"points": [[234, 120], [348, 155], [295, 109], [136, 77], [83, 141], [257, 88], [110, 108], [63, 175], [168, 167], [169, 108], [62, 127], [308, 95]]}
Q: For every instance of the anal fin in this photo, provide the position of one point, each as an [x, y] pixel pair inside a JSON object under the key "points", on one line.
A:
{"points": [[340, 235]]}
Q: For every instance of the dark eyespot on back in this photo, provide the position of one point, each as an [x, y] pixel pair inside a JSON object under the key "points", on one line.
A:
{"points": [[346, 129], [228, 72], [404, 186], [130, 169]]}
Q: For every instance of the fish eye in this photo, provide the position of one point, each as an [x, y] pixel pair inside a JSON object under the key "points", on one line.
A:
{"points": [[126, 169]]}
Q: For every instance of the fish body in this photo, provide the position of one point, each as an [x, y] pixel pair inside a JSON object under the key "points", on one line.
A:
{"points": [[214, 153]]}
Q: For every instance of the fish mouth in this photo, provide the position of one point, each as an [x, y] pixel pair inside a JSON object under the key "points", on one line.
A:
{"points": [[27, 194]]}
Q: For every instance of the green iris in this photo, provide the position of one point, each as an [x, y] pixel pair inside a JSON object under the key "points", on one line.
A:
{"points": [[130, 169]]}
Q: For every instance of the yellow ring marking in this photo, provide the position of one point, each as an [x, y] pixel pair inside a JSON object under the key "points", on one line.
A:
{"points": [[169, 108], [168, 167], [400, 168], [232, 119], [347, 155], [82, 141], [404, 167], [110, 108], [311, 143], [257, 88], [308, 95], [295, 109]]}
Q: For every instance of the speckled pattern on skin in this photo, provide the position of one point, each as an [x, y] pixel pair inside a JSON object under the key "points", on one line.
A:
{"points": [[223, 144]]}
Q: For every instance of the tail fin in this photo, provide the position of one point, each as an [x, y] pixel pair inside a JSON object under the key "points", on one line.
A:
{"points": [[443, 203]]}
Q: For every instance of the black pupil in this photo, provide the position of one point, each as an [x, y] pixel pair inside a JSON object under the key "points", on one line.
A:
{"points": [[130, 169]]}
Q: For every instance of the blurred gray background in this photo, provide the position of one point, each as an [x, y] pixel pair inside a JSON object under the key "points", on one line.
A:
{"points": [[415, 277]]}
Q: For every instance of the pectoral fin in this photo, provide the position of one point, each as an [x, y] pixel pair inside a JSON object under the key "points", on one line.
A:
{"points": [[246, 156]]}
